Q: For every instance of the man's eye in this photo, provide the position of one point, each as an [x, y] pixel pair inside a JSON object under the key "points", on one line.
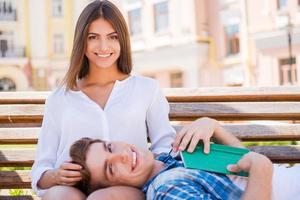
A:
{"points": [[110, 169], [109, 147]]}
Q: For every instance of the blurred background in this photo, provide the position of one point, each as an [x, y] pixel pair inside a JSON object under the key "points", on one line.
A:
{"points": [[181, 43]]}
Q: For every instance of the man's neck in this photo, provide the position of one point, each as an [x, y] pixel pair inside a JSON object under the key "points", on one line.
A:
{"points": [[158, 166]]}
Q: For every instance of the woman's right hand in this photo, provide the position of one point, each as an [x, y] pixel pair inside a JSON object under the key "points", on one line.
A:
{"points": [[67, 174]]}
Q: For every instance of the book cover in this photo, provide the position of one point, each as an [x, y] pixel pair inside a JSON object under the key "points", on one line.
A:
{"points": [[216, 161]]}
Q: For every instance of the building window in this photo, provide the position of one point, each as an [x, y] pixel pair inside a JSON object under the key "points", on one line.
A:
{"points": [[58, 44], [6, 84], [232, 39], [8, 10], [288, 71], [176, 79], [161, 16], [57, 8], [8, 47], [135, 21], [281, 4]]}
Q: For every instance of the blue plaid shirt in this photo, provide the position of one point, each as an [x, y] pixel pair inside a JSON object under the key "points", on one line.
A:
{"points": [[176, 182]]}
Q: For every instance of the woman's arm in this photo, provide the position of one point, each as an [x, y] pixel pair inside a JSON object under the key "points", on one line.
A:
{"points": [[203, 129], [160, 131], [117, 193]]}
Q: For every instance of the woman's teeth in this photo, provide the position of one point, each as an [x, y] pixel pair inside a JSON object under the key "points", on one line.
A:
{"points": [[103, 55]]}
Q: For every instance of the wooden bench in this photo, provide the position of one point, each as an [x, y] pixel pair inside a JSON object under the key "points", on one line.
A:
{"points": [[21, 114]]}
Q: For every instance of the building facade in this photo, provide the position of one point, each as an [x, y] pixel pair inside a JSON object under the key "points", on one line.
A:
{"points": [[182, 43], [258, 41]]}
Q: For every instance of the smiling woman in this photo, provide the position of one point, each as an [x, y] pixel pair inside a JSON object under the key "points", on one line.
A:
{"points": [[99, 99]]}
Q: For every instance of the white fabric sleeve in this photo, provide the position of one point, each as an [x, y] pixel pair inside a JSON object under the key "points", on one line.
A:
{"points": [[160, 131], [48, 141]]}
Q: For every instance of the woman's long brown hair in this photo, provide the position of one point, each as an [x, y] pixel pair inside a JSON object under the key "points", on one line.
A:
{"points": [[104, 9]]}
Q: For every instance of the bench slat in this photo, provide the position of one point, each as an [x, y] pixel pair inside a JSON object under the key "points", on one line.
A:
{"points": [[22, 197], [15, 179], [17, 157], [279, 154], [180, 111], [245, 132], [19, 135], [232, 94], [236, 111], [205, 94]]}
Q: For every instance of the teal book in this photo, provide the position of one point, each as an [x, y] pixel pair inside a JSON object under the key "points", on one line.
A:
{"points": [[216, 161]]}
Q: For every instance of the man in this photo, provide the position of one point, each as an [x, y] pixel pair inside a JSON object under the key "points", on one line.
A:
{"points": [[107, 164]]}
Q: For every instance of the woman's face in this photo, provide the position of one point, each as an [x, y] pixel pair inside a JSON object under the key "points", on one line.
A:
{"points": [[103, 47]]}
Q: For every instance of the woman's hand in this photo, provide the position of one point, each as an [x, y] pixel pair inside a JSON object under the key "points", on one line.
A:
{"points": [[201, 129], [67, 174]]}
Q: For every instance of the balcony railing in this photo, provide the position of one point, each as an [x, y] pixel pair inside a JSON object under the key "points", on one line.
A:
{"points": [[8, 16], [15, 52]]}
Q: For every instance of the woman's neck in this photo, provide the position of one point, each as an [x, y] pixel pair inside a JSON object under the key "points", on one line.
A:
{"points": [[103, 76]]}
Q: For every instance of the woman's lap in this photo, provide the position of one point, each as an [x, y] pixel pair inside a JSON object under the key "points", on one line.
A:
{"points": [[61, 192]]}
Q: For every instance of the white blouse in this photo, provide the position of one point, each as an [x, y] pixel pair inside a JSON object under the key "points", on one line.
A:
{"points": [[135, 110]]}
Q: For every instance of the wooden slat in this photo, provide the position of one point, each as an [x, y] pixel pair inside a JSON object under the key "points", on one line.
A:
{"points": [[17, 157], [23, 97], [245, 132], [259, 132], [180, 111], [19, 135], [22, 197], [280, 154], [233, 94], [31, 113], [209, 94], [236, 111], [15, 179]]}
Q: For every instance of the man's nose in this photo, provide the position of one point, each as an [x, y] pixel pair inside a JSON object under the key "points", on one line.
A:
{"points": [[120, 157]]}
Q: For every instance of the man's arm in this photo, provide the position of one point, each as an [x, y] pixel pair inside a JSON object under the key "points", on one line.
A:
{"points": [[260, 170]]}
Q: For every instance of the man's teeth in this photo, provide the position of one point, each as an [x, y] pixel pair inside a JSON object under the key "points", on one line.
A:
{"points": [[103, 55], [133, 159]]}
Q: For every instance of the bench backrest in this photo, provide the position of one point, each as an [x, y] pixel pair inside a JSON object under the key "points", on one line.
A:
{"points": [[21, 115]]}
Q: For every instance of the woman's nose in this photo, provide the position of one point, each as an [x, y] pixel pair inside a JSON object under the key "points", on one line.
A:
{"points": [[103, 45]]}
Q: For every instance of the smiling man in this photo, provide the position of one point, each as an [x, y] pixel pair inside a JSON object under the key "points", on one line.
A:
{"points": [[107, 164]]}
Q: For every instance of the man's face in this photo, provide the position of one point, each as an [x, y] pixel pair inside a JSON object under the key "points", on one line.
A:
{"points": [[118, 163]]}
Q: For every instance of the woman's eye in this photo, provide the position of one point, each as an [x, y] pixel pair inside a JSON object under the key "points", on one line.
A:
{"points": [[114, 37], [92, 37]]}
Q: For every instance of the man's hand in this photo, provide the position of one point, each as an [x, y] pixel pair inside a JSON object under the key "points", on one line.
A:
{"points": [[260, 170], [249, 161]]}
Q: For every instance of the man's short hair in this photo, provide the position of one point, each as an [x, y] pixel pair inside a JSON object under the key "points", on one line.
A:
{"points": [[78, 152]]}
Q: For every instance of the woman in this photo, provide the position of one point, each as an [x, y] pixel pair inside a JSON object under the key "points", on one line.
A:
{"points": [[100, 99]]}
